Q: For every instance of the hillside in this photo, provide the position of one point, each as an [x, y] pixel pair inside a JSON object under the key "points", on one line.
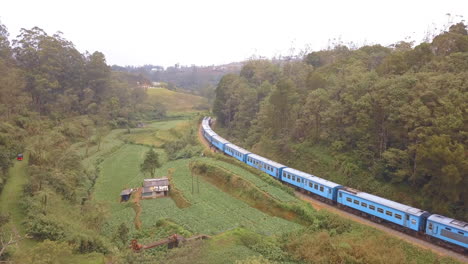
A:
{"points": [[387, 120], [174, 101]]}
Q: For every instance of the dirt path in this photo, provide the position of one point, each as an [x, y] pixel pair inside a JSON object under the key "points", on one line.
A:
{"points": [[415, 241], [137, 208]]}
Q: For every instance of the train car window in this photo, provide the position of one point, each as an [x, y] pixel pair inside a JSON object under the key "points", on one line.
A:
{"points": [[289, 176], [298, 179], [380, 210], [315, 186], [310, 185], [407, 217], [293, 178], [364, 204], [349, 199], [389, 213], [371, 207], [461, 233], [341, 195], [329, 190], [321, 188], [356, 201], [449, 229], [397, 216]]}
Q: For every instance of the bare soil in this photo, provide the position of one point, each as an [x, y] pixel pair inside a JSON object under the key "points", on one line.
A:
{"points": [[137, 208]]}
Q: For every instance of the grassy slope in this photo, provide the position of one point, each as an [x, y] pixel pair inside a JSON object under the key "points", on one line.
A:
{"points": [[11, 196], [175, 101], [212, 210], [156, 133]]}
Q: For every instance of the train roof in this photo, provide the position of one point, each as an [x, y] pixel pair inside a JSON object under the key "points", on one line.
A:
{"points": [[239, 149], [265, 160], [220, 139], [449, 222], [313, 178], [385, 202], [207, 128], [210, 132]]}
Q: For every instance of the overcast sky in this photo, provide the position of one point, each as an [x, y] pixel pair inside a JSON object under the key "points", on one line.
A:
{"points": [[205, 32]]}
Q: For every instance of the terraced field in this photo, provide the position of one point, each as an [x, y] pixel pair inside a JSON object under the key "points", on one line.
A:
{"points": [[211, 211], [177, 102]]}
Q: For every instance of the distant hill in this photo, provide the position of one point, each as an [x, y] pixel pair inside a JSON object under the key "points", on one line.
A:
{"points": [[174, 101], [192, 78]]}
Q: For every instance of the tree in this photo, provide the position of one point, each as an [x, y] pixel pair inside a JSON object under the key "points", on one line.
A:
{"points": [[151, 162]]}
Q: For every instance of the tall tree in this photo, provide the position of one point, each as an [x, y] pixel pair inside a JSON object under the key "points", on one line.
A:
{"points": [[151, 163]]}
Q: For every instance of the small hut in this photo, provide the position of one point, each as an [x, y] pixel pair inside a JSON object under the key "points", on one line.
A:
{"points": [[125, 195], [153, 188]]}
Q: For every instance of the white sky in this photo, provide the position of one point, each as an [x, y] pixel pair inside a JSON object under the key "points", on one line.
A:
{"points": [[204, 32]]}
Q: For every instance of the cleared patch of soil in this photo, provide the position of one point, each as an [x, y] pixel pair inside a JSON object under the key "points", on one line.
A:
{"points": [[137, 208]]}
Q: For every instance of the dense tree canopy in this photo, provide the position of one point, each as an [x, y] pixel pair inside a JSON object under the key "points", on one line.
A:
{"points": [[399, 112]]}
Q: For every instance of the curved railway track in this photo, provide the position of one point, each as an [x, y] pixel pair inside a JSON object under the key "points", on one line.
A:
{"points": [[324, 206]]}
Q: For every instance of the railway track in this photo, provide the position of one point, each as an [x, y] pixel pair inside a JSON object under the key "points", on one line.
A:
{"points": [[410, 239]]}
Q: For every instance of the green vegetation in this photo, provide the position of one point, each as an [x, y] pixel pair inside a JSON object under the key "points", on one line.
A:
{"points": [[388, 120], [86, 130], [151, 163], [175, 101]]}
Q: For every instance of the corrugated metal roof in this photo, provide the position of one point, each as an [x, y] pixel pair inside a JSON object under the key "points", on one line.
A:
{"points": [[267, 161], [220, 139], [239, 149], [155, 182], [126, 192], [388, 203], [449, 222], [311, 177]]}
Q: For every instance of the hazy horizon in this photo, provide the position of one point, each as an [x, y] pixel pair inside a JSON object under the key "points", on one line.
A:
{"points": [[213, 33]]}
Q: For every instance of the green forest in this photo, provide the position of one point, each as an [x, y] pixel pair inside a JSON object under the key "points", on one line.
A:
{"points": [[392, 121]]}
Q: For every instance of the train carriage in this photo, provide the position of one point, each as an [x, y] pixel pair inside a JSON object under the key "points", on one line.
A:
{"points": [[218, 142], [400, 214], [236, 152], [208, 134], [268, 166], [448, 229], [311, 183]]}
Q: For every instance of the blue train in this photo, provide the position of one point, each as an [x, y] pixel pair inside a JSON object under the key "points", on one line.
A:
{"points": [[439, 229]]}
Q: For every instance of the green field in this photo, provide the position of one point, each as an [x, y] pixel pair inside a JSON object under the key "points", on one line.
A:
{"points": [[11, 196], [156, 133], [212, 211], [176, 101], [230, 221]]}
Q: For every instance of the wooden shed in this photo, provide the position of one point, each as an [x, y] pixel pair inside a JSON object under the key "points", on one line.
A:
{"points": [[125, 195], [153, 188]]}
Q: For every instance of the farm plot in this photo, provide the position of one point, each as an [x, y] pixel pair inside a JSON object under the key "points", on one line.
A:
{"points": [[119, 171], [156, 133], [275, 192], [212, 210]]}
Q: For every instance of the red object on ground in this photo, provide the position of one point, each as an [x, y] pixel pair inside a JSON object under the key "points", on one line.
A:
{"points": [[19, 157]]}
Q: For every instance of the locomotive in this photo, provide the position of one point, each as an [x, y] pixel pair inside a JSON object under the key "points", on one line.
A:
{"points": [[438, 229]]}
